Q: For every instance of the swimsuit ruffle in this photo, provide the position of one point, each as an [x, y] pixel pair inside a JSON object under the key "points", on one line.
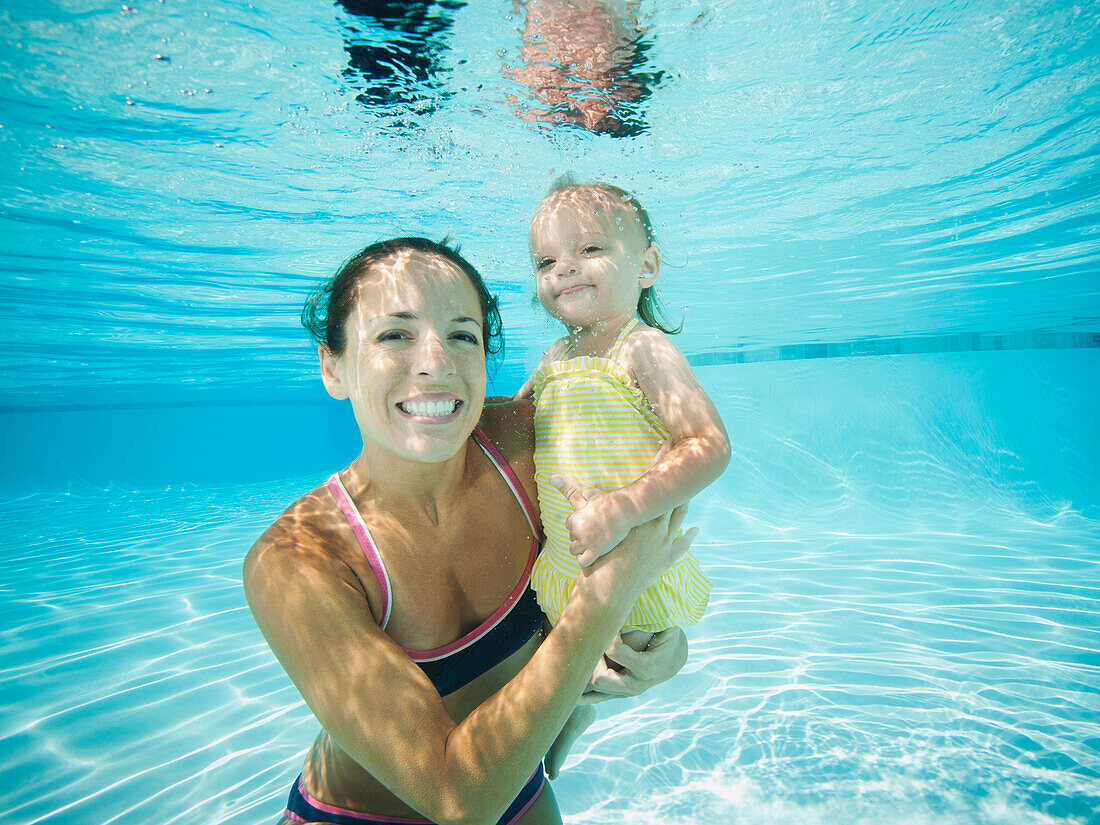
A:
{"points": [[678, 598], [600, 369]]}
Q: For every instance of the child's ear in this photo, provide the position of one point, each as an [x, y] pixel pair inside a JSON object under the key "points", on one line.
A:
{"points": [[651, 267], [329, 374]]}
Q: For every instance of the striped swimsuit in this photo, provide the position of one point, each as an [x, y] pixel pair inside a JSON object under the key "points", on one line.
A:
{"points": [[593, 424]]}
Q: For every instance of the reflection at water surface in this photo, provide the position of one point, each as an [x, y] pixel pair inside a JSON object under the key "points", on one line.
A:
{"points": [[582, 60]]}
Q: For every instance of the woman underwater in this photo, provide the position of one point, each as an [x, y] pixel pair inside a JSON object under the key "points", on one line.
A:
{"points": [[395, 595]]}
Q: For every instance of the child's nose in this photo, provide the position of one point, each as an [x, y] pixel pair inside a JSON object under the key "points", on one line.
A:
{"points": [[567, 266]]}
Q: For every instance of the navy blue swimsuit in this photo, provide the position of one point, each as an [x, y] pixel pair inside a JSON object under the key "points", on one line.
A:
{"points": [[453, 665]]}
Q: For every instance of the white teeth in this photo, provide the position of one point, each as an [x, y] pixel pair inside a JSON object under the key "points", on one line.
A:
{"points": [[429, 409]]}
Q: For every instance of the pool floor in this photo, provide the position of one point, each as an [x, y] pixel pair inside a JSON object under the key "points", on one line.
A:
{"points": [[905, 553]]}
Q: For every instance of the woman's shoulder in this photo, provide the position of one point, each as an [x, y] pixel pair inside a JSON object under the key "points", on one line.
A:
{"points": [[510, 425], [294, 539]]}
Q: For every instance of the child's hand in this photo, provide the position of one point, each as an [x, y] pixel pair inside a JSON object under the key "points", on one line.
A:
{"points": [[594, 528]]}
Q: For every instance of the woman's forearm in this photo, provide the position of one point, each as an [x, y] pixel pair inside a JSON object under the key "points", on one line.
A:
{"points": [[492, 752]]}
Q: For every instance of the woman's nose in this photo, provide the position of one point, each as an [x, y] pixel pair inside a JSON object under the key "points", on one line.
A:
{"points": [[432, 358]]}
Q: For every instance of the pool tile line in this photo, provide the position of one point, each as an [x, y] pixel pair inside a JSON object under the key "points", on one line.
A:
{"points": [[908, 345]]}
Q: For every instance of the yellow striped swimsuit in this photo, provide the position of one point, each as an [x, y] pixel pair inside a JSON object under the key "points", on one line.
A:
{"points": [[594, 425]]}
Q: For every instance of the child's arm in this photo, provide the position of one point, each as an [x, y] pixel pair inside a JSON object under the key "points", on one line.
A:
{"points": [[556, 350], [698, 453]]}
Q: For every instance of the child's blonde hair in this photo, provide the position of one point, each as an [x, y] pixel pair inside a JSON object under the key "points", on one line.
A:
{"points": [[650, 309]]}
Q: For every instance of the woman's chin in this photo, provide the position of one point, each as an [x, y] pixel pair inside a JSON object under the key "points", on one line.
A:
{"points": [[436, 443], [437, 452]]}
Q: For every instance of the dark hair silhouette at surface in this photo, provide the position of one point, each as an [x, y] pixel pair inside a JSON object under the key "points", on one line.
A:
{"points": [[394, 50], [583, 60]]}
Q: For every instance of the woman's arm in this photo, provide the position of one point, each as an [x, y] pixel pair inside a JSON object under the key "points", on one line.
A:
{"points": [[380, 708], [698, 450]]}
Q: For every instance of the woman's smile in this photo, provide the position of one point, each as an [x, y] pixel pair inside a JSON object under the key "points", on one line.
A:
{"points": [[433, 408]]}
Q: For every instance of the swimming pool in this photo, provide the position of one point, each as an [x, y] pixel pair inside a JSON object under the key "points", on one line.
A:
{"points": [[879, 222]]}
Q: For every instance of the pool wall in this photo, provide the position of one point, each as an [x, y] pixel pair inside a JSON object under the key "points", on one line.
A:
{"points": [[1021, 419]]}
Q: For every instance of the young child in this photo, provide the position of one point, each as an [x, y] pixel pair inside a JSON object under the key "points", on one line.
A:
{"points": [[617, 406]]}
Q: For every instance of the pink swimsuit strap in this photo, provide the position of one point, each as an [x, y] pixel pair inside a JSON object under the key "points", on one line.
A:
{"points": [[359, 527]]}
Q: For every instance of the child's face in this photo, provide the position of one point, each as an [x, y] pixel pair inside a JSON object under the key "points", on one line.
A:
{"points": [[592, 258]]}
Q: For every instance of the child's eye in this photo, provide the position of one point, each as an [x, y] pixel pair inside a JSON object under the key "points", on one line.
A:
{"points": [[543, 263], [591, 249]]}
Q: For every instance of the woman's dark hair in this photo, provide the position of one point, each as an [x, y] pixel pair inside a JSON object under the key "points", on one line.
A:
{"points": [[650, 309], [326, 311]]}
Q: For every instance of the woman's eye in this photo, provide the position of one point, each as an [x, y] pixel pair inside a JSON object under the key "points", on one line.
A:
{"points": [[468, 337], [393, 335]]}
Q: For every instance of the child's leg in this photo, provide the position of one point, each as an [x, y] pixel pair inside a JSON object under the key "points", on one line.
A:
{"points": [[585, 715], [578, 721], [636, 639]]}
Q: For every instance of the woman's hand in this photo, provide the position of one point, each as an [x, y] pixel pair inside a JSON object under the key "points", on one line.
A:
{"points": [[638, 670]]}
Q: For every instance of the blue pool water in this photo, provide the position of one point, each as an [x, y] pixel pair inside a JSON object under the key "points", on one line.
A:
{"points": [[879, 223]]}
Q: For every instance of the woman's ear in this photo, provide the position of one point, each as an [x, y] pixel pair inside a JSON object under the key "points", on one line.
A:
{"points": [[651, 267], [330, 373]]}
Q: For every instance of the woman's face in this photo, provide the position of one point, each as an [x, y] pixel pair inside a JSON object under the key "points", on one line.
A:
{"points": [[414, 364]]}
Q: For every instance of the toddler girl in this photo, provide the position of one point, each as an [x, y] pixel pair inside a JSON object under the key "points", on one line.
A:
{"points": [[608, 396]]}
